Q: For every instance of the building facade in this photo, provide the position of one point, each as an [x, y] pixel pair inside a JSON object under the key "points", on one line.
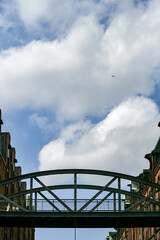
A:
{"points": [[152, 174], [8, 169]]}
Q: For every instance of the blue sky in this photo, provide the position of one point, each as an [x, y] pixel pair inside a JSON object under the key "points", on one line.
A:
{"points": [[58, 98]]}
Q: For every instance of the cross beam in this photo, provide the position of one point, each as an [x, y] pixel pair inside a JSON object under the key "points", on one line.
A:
{"points": [[79, 220]]}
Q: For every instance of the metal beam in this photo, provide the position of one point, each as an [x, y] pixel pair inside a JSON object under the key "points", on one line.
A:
{"points": [[13, 202], [79, 220], [51, 203], [119, 194], [31, 194], [75, 192], [81, 186], [100, 202], [114, 196], [97, 194], [147, 199], [53, 194], [80, 171], [35, 201]]}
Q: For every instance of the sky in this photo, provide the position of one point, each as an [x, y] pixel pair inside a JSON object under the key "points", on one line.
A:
{"points": [[80, 86]]}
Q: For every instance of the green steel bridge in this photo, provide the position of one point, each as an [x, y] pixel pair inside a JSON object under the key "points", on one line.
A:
{"points": [[80, 198]]}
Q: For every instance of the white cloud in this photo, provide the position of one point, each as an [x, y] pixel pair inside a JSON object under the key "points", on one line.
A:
{"points": [[72, 76], [41, 121], [6, 10], [59, 15], [118, 143]]}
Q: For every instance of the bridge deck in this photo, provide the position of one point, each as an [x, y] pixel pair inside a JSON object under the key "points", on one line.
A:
{"points": [[79, 220]]}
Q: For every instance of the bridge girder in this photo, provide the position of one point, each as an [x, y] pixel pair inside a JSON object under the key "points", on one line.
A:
{"points": [[80, 220]]}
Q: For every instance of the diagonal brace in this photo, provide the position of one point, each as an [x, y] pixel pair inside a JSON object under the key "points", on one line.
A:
{"points": [[142, 200], [49, 201], [100, 202], [53, 194], [14, 203], [97, 194]]}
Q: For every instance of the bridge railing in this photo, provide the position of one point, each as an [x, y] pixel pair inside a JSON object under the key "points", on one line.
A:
{"points": [[106, 206], [109, 205]]}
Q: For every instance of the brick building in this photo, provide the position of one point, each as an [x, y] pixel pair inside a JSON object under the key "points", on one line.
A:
{"points": [[9, 169], [152, 174]]}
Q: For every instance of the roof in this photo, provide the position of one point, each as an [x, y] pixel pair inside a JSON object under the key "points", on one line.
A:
{"points": [[157, 147], [155, 150]]}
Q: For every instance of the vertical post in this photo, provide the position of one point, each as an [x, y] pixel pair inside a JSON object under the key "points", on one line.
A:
{"points": [[114, 194], [31, 194], [75, 192], [119, 194], [35, 201], [75, 234]]}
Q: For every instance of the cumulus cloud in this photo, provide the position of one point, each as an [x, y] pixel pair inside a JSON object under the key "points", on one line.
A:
{"points": [[58, 15], [72, 75], [118, 143]]}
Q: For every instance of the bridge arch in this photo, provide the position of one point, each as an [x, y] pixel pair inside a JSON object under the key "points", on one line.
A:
{"points": [[115, 197]]}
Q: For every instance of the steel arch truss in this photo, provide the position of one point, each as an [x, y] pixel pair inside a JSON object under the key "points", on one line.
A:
{"points": [[110, 196]]}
